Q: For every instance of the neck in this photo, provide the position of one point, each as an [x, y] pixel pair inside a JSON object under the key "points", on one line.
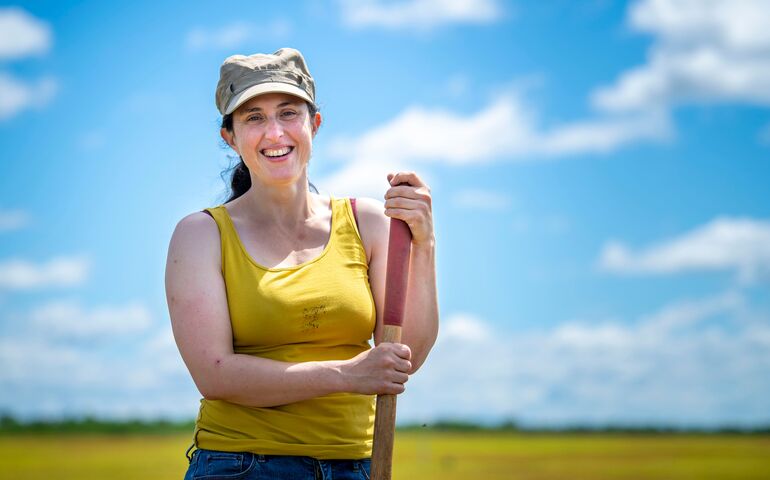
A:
{"points": [[287, 206]]}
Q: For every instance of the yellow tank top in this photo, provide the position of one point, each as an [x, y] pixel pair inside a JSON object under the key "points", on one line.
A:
{"points": [[319, 310]]}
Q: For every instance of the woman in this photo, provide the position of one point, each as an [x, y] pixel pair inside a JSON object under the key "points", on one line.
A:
{"points": [[274, 295]]}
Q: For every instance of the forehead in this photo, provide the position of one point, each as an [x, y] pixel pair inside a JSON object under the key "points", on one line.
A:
{"points": [[269, 101]]}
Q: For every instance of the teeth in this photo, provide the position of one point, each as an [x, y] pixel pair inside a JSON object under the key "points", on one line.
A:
{"points": [[277, 152]]}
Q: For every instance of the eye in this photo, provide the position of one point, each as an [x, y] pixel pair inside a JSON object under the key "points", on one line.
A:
{"points": [[288, 114], [254, 118]]}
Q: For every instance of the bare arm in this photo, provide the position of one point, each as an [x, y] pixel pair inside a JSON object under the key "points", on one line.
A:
{"points": [[411, 203], [197, 302]]}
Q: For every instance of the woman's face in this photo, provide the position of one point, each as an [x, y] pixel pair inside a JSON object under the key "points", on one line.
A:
{"points": [[273, 133]]}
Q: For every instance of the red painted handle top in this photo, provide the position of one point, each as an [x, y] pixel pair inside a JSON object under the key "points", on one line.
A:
{"points": [[399, 249]]}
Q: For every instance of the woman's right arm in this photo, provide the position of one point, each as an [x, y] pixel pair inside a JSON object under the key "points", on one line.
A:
{"points": [[200, 319]]}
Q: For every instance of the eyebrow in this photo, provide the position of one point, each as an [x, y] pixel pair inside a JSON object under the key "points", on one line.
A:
{"points": [[280, 105]]}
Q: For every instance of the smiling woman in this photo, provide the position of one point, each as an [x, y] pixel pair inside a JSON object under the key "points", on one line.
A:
{"points": [[275, 295]]}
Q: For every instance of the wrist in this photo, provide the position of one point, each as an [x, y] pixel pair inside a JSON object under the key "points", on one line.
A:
{"points": [[428, 243], [338, 376]]}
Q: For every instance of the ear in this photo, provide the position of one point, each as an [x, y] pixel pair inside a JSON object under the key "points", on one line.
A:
{"points": [[316, 124], [229, 138]]}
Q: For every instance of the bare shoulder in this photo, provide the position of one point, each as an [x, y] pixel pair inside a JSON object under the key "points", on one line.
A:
{"points": [[195, 236], [372, 223], [370, 210], [197, 225]]}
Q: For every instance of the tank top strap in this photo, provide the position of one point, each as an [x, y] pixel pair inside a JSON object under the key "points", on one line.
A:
{"points": [[228, 237], [346, 234], [219, 214]]}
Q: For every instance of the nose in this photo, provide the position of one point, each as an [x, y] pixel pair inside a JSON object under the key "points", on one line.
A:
{"points": [[273, 131]]}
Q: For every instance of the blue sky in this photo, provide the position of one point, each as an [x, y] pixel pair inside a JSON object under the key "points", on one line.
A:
{"points": [[599, 172]]}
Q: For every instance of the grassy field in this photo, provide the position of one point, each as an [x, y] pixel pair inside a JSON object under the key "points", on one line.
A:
{"points": [[420, 455]]}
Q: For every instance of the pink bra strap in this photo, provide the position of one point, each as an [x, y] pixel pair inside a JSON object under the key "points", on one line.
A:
{"points": [[355, 212]]}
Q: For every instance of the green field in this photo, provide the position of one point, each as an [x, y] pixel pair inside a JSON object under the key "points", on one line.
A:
{"points": [[446, 456]]}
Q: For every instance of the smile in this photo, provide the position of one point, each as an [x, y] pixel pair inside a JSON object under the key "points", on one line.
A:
{"points": [[277, 152]]}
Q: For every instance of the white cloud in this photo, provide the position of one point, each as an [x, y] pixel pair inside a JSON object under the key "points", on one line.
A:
{"points": [[418, 14], [683, 315], [59, 272], [440, 136], [361, 179], [738, 244], [465, 327], [605, 135], [235, 35], [22, 35], [68, 320], [505, 129], [480, 199], [13, 220], [42, 376], [669, 367], [704, 52], [16, 96], [105, 361]]}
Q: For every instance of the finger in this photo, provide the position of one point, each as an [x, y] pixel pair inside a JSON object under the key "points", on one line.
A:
{"points": [[404, 367], [388, 346], [408, 191], [404, 203], [395, 389], [401, 350], [410, 178], [411, 217]]}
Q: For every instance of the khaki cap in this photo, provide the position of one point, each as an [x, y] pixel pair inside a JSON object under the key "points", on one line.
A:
{"points": [[244, 77]]}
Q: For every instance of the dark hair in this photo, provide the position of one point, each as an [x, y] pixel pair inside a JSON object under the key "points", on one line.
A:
{"points": [[240, 180]]}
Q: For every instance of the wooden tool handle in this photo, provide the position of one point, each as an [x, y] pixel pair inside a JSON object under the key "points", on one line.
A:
{"points": [[397, 276]]}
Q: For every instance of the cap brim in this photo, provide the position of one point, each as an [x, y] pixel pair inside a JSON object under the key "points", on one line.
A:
{"points": [[262, 88]]}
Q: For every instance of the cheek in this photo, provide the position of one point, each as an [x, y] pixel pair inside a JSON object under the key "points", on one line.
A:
{"points": [[307, 133], [247, 137]]}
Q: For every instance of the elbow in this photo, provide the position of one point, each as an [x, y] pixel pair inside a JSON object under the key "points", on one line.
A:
{"points": [[210, 384], [417, 362], [210, 394], [420, 351], [210, 390], [418, 358]]}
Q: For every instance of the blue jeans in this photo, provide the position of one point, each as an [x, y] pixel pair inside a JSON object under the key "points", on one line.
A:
{"points": [[215, 465]]}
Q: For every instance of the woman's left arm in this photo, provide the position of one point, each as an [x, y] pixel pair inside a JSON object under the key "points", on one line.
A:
{"points": [[407, 199]]}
